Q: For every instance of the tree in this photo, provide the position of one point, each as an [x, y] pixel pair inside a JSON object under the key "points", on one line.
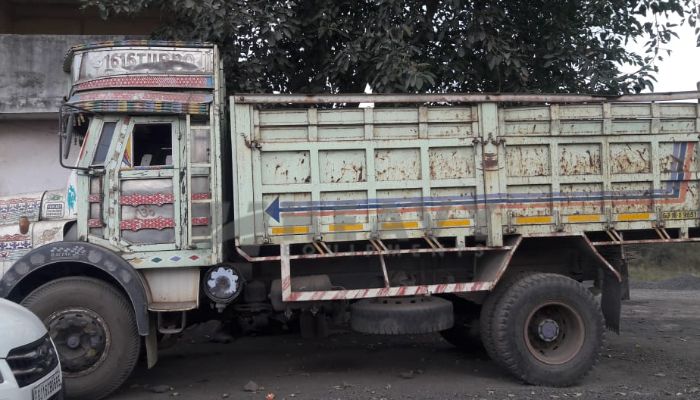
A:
{"points": [[428, 46]]}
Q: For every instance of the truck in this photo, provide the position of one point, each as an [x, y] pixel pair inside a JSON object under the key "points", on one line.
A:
{"points": [[498, 219]]}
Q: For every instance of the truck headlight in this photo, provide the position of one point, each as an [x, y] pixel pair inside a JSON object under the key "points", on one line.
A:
{"points": [[223, 283]]}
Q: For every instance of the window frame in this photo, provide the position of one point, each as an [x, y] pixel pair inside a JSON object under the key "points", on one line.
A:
{"points": [[122, 173]]}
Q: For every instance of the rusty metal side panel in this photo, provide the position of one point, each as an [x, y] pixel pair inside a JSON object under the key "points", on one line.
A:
{"points": [[351, 174], [354, 174], [574, 168]]}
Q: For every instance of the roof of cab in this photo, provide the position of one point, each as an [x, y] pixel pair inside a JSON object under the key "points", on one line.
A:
{"points": [[68, 60]]}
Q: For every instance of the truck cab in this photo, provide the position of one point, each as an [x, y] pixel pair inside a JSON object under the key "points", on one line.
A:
{"points": [[151, 150], [144, 193]]}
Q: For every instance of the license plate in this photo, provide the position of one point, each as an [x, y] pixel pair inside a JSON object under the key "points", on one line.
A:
{"points": [[48, 388], [680, 214]]}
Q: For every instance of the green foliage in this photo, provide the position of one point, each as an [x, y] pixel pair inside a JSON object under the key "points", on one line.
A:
{"points": [[427, 46]]}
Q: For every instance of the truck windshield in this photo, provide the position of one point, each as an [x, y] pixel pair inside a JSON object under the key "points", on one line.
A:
{"points": [[103, 144]]}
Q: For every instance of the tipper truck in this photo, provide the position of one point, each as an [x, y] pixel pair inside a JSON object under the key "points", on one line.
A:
{"points": [[494, 219]]}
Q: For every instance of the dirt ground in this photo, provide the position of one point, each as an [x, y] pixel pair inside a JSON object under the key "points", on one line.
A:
{"points": [[656, 356]]}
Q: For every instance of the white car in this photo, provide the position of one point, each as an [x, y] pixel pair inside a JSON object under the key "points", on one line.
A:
{"points": [[29, 365]]}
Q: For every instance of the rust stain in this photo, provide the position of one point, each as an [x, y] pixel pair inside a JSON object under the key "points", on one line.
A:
{"points": [[490, 161], [628, 160], [579, 163]]}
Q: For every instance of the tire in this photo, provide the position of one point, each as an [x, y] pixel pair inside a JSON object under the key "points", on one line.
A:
{"points": [[465, 332], [103, 322], [548, 330], [487, 314], [401, 315]]}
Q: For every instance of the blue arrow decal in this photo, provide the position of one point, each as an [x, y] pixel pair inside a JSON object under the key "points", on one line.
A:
{"points": [[273, 209]]}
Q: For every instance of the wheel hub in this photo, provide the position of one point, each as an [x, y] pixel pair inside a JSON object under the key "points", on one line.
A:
{"points": [[73, 341], [82, 340], [548, 330], [554, 333]]}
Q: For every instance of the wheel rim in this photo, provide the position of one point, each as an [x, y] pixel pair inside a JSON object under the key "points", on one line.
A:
{"points": [[82, 338], [554, 333]]}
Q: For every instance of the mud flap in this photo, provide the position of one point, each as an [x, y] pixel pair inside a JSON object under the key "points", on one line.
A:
{"points": [[152, 343], [611, 302]]}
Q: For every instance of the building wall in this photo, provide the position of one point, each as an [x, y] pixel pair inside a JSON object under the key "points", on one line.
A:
{"points": [[32, 87], [34, 37], [32, 80], [29, 160]]}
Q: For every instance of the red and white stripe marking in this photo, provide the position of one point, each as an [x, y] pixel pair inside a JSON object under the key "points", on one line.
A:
{"points": [[393, 291], [289, 295]]}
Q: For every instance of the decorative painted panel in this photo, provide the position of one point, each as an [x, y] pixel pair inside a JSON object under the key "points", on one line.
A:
{"points": [[147, 211]]}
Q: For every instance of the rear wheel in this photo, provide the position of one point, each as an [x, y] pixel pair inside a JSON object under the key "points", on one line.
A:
{"points": [[94, 329], [547, 330], [488, 311]]}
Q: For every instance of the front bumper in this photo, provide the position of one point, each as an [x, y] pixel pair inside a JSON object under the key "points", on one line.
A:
{"points": [[9, 390]]}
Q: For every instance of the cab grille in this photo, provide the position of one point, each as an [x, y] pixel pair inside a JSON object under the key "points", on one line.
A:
{"points": [[33, 361]]}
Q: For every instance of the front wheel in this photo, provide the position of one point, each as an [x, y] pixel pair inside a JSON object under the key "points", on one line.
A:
{"points": [[93, 327], [547, 330]]}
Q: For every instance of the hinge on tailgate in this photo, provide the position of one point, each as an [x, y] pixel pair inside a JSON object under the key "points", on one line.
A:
{"points": [[558, 221], [251, 144], [509, 218], [660, 222]]}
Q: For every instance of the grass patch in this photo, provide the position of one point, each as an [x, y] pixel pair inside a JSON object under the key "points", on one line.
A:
{"points": [[654, 262]]}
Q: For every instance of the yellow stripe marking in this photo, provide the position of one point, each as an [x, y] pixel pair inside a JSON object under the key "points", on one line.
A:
{"points": [[543, 219], [346, 227], [633, 217], [400, 225], [290, 230], [454, 223], [584, 218]]}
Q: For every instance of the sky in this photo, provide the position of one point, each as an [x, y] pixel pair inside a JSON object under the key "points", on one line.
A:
{"points": [[681, 70]]}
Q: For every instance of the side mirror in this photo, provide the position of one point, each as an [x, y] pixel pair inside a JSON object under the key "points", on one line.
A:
{"points": [[66, 132], [67, 135]]}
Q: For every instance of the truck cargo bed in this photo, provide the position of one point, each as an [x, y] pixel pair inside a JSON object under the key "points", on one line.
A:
{"points": [[345, 174]]}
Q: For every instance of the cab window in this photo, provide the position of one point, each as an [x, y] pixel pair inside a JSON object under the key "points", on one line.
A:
{"points": [[103, 143], [152, 145]]}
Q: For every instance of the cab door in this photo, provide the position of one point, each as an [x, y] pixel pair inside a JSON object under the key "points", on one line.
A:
{"points": [[150, 186]]}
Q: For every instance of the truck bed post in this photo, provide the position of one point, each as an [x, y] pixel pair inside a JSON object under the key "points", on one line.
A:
{"points": [[285, 272]]}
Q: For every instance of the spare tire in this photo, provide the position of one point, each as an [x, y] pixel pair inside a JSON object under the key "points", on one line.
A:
{"points": [[401, 315]]}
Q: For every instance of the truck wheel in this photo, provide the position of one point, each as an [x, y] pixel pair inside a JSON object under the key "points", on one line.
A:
{"points": [[94, 329], [487, 313], [548, 330], [465, 333]]}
